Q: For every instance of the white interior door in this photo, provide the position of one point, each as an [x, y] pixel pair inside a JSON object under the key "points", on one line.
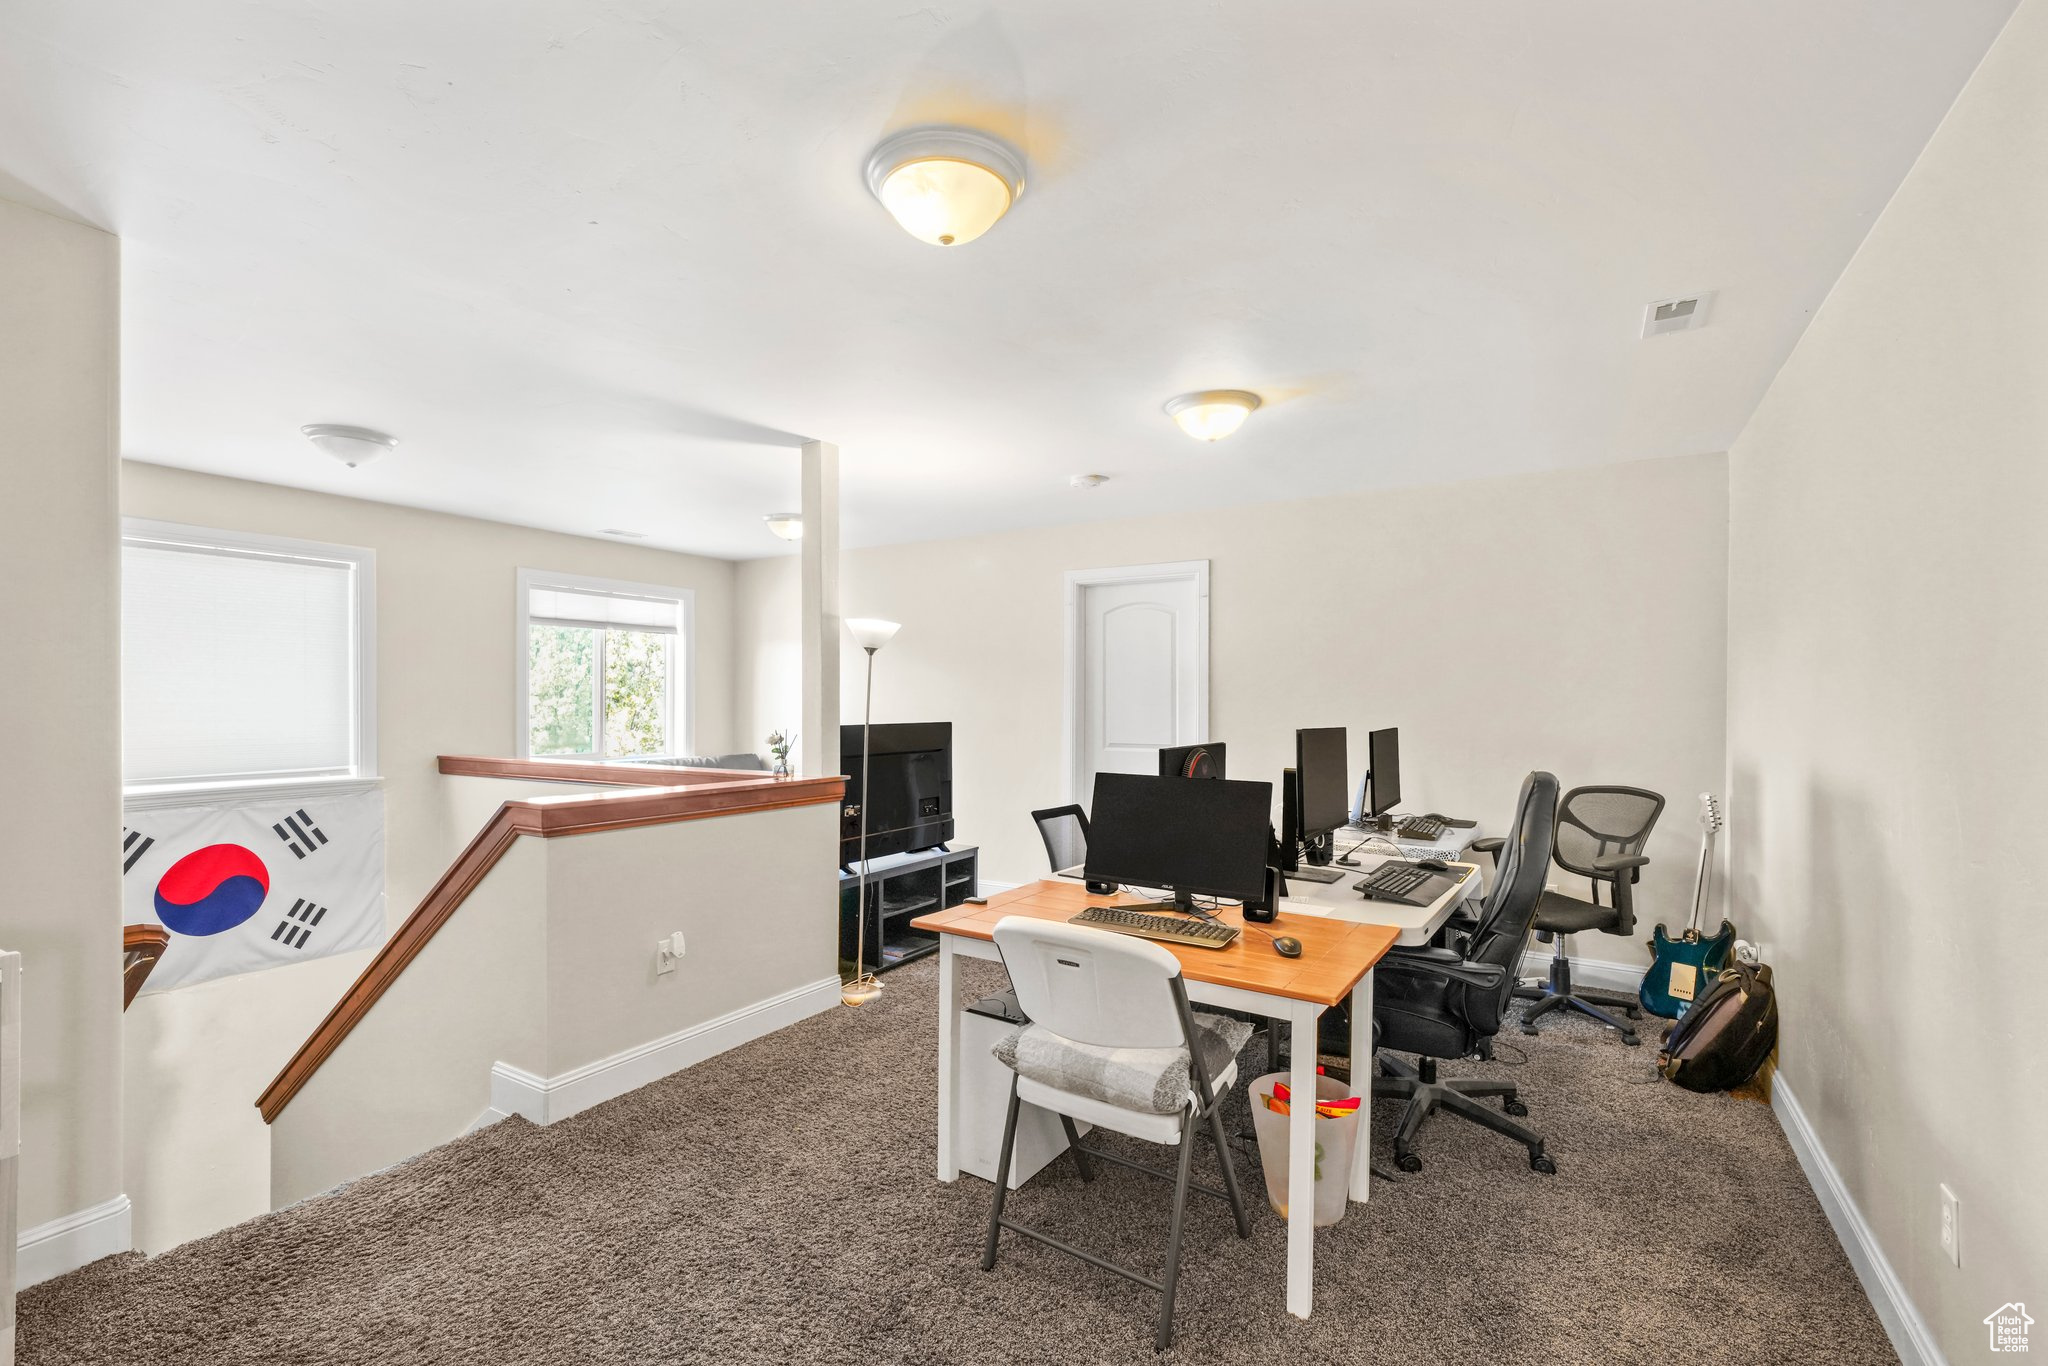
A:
{"points": [[1137, 667]]}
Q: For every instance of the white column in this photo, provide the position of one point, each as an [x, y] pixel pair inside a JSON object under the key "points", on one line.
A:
{"points": [[818, 740]]}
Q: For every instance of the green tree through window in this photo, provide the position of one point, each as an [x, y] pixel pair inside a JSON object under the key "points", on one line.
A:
{"points": [[561, 696], [636, 677]]}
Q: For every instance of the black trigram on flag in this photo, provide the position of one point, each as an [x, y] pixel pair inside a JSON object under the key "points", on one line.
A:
{"points": [[299, 833], [134, 844], [297, 926]]}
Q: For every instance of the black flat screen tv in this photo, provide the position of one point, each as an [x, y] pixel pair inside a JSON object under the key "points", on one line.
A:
{"points": [[909, 791]]}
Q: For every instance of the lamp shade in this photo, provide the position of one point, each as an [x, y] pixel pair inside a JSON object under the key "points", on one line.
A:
{"points": [[945, 186], [871, 633], [1212, 414]]}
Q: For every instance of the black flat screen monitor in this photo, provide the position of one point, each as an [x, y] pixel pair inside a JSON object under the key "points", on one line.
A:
{"points": [[1384, 755], [909, 791], [1323, 771], [1198, 839], [1191, 761]]}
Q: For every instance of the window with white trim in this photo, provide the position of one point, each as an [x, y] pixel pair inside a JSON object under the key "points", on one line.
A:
{"points": [[244, 659], [604, 668]]}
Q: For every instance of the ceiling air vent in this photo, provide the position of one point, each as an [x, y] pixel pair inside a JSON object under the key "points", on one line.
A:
{"points": [[1676, 315]]}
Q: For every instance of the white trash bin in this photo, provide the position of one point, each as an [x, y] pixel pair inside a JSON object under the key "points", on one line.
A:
{"points": [[1336, 1140]]}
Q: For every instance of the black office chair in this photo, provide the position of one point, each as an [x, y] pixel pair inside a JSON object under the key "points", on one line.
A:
{"points": [[1444, 1000], [1065, 832], [1600, 836]]}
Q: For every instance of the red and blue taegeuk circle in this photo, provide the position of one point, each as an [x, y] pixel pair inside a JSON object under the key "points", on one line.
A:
{"points": [[211, 890]]}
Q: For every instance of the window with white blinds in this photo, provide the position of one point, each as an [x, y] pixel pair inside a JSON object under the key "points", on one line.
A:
{"points": [[243, 659], [604, 668]]}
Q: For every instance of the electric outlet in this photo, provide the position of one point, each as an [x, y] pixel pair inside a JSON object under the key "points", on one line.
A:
{"points": [[667, 953], [1951, 1225]]}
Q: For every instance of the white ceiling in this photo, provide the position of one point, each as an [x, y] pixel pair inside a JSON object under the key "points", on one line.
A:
{"points": [[602, 263]]}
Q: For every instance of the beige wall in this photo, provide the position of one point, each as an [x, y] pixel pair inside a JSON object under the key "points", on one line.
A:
{"points": [[755, 896], [1578, 625], [416, 1071], [60, 701], [1888, 702], [446, 612], [549, 966]]}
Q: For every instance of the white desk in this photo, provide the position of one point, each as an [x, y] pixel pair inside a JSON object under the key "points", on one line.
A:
{"points": [[1417, 924]]}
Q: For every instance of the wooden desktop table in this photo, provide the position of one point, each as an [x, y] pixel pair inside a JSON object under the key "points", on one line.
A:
{"points": [[1336, 964]]}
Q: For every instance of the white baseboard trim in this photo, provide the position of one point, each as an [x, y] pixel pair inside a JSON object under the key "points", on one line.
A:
{"points": [[1909, 1333], [543, 1100], [491, 1115], [1588, 972], [68, 1243]]}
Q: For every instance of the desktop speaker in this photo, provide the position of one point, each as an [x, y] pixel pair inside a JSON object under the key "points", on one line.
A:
{"points": [[1266, 911]]}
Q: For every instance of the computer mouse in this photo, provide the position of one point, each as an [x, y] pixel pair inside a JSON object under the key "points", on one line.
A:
{"points": [[1287, 946], [1434, 865]]}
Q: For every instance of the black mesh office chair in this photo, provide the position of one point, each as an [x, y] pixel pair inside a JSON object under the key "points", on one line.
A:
{"points": [[1444, 1000], [1601, 832], [1065, 832]]}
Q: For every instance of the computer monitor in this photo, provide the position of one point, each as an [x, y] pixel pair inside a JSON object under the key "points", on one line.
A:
{"points": [[1191, 761], [1383, 753], [1322, 760], [1195, 839]]}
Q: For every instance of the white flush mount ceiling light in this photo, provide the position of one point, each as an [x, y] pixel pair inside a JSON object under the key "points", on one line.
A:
{"points": [[621, 533], [788, 525], [1089, 481], [945, 186], [1212, 414], [352, 446]]}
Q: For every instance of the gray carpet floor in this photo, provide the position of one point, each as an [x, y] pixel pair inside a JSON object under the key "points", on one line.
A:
{"points": [[777, 1204]]}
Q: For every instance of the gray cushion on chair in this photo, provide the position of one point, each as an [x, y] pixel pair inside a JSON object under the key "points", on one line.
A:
{"points": [[1153, 1081]]}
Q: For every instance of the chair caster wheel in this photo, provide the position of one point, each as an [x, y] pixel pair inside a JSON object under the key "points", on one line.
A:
{"points": [[1514, 1107], [1632, 1041], [1542, 1163], [1530, 1030], [1408, 1162], [1632, 1012]]}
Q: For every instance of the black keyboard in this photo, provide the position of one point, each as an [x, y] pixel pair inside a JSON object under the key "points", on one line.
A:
{"points": [[1395, 882], [1169, 929], [1428, 828]]}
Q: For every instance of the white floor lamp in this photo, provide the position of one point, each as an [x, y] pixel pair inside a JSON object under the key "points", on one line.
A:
{"points": [[871, 634]]}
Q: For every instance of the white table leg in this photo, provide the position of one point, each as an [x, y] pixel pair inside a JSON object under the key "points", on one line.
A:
{"points": [[949, 1062], [1361, 1086], [1301, 1159]]}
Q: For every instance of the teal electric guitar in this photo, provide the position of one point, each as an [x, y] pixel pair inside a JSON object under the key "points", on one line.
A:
{"points": [[1684, 967]]}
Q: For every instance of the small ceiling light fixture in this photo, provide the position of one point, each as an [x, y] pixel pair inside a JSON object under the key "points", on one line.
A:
{"points": [[1089, 481], [788, 525], [352, 446], [1212, 414], [945, 186], [622, 533]]}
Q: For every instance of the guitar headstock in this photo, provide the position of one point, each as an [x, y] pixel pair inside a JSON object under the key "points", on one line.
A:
{"points": [[1710, 813]]}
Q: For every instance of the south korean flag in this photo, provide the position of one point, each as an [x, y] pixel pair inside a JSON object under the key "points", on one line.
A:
{"points": [[250, 885]]}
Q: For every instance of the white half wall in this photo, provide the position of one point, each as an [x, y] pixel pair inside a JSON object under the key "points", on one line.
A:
{"points": [[60, 706], [1573, 621], [540, 995], [1888, 706]]}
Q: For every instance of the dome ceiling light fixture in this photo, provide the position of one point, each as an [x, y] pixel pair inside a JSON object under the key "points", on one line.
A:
{"points": [[352, 446], [945, 186], [788, 525], [1212, 414]]}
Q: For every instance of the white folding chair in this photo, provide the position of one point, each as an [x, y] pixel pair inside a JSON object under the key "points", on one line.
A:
{"points": [[1110, 1039]]}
